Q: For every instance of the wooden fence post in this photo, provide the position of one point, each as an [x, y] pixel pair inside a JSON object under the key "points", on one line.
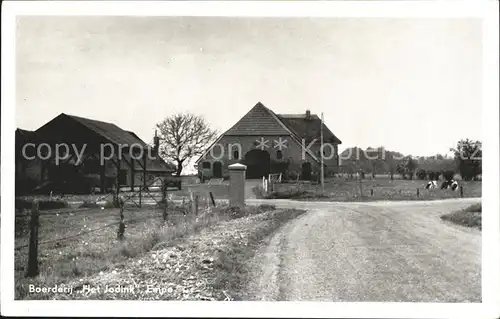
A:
{"points": [[121, 227], [144, 174], [140, 196], [165, 200], [33, 270], [191, 202], [196, 204], [212, 198], [361, 187]]}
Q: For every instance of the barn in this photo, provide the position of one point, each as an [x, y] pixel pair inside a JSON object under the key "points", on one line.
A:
{"points": [[272, 143], [99, 155]]}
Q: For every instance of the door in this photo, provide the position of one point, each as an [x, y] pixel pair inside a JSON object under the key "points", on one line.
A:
{"points": [[258, 164], [306, 171], [217, 169]]}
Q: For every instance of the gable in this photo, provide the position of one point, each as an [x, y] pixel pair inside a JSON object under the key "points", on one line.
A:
{"points": [[258, 121]]}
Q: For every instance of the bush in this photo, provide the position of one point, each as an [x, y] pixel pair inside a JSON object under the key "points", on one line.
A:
{"points": [[433, 176], [421, 174]]}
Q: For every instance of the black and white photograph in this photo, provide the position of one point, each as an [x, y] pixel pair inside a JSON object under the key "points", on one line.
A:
{"points": [[236, 155]]}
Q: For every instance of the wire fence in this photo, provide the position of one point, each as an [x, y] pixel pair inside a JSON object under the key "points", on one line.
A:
{"points": [[111, 217]]}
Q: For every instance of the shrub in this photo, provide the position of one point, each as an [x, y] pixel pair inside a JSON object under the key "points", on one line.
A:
{"points": [[421, 174], [433, 176]]}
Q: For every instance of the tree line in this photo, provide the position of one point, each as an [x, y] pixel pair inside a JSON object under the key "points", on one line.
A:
{"points": [[185, 136], [466, 161]]}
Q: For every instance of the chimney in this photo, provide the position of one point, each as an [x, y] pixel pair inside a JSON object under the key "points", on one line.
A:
{"points": [[308, 114], [156, 142]]}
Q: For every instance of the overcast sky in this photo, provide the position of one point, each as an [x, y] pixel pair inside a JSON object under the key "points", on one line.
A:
{"points": [[411, 85]]}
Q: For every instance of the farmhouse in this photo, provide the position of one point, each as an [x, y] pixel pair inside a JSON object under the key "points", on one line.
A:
{"points": [[273, 143], [99, 155]]}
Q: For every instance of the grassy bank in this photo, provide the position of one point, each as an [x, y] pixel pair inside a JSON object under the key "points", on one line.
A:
{"points": [[191, 258], [468, 217]]}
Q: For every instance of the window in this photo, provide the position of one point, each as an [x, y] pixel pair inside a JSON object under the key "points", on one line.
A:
{"points": [[279, 154], [206, 165], [236, 155]]}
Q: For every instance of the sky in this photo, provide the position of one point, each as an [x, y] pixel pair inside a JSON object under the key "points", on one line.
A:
{"points": [[411, 85]]}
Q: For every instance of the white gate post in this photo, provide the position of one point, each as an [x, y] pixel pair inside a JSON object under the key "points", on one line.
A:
{"points": [[237, 174]]}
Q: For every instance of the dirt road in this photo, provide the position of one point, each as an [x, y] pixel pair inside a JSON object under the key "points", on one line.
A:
{"points": [[382, 251]]}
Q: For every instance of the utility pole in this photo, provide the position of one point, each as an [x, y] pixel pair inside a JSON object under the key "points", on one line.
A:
{"points": [[321, 152]]}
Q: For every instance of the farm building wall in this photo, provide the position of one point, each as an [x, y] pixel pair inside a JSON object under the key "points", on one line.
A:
{"points": [[29, 169], [224, 152]]}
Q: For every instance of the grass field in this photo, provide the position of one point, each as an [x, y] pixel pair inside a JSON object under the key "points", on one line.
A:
{"points": [[80, 242], [367, 190]]}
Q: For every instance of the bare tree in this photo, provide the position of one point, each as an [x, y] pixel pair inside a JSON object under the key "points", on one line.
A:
{"points": [[184, 136]]}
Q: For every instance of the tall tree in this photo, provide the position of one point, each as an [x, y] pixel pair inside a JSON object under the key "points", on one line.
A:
{"points": [[468, 157], [184, 136], [407, 167]]}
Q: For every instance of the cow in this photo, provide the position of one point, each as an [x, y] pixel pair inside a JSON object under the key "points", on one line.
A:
{"points": [[450, 184], [431, 185]]}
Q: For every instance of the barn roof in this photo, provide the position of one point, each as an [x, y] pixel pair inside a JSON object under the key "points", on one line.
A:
{"points": [[258, 122], [118, 136], [110, 131], [308, 128], [24, 135]]}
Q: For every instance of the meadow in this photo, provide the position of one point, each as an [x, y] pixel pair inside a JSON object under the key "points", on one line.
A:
{"points": [[340, 189]]}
